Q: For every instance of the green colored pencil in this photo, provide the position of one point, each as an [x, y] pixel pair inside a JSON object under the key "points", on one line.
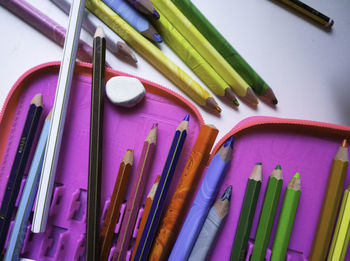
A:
{"points": [[239, 248], [286, 220], [267, 214], [225, 49]]}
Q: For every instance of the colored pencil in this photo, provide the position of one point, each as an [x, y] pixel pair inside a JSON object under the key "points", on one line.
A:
{"points": [[19, 165], [28, 196], [124, 50], [310, 12], [286, 219], [90, 24], [95, 148], [146, 7], [153, 55], [331, 201], [218, 41], [145, 213], [205, 49], [134, 18], [153, 218], [113, 211], [59, 112], [189, 55], [244, 226], [170, 224], [211, 227], [267, 214], [202, 202], [135, 196], [341, 234], [45, 25]]}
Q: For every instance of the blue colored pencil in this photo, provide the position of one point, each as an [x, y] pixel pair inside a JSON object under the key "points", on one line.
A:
{"points": [[27, 200], [18, 166], [203, 201], [153, 218], [134, 18]]}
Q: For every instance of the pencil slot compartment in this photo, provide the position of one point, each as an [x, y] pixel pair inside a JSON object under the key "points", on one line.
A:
{"points": [[58, 193], [79, 252], [77, 210], [53, 245]]}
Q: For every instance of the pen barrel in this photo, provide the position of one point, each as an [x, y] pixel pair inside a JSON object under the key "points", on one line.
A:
{"points": [[329, 211], [285, 224], [240, 243], [199, 209]]}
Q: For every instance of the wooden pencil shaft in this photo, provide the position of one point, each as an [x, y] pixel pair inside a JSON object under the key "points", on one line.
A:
{"points": [[135, 196], [58, 117], [161, 193], [341, 235], [267, 216], [95, 160], [113, 211], [285, 224], [329, 210], [240, 243], [17, 170], [175, 214]]}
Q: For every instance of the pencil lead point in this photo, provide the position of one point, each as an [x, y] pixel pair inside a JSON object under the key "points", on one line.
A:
{"points": [[156, 14], [229, 142], [187, 117], [227, 193], [258, 163], [235, 102], [344, 143], [296, 176], [274, 101], [278, 167], [155, 125], [157, 38]]}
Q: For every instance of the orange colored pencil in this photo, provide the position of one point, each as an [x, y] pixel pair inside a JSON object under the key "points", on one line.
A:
{"points": [[146, 210], [173, 218], [113, 211]]}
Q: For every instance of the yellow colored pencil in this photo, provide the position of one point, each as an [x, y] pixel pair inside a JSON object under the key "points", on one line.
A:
{"points": [[152, 54], [341, 235], [205, 49]]}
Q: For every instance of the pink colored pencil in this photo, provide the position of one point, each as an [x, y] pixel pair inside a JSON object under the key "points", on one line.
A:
{"points": [[134, 201], [45, 25]]}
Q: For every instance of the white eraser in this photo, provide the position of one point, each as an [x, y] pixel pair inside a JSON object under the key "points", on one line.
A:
{"points": [[125, 91]]}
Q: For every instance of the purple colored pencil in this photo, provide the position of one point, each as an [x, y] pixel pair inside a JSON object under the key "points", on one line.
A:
{"points": [[134, 200], [45, 25], [146, 7]]}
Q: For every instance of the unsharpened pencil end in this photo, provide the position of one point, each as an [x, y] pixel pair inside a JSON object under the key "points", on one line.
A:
{"points": [[37, 100], [278, 166], [344, 143], [99, 32], [227, 193], [157, 38]]}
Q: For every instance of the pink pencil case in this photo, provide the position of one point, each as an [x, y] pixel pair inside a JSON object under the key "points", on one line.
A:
{"points": [[303, 146]]}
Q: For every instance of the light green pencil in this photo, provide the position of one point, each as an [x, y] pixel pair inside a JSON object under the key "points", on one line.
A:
{"points": [[286, 220], [267, 214]]}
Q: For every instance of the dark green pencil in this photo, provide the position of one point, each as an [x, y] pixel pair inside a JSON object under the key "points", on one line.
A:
{"points": [[239, 248], [267, 214]]}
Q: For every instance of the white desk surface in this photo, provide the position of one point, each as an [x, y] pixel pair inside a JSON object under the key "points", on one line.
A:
{"points": [[307, 67]]}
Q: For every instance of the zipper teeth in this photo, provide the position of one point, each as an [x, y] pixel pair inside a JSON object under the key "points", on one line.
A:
{"points": [[109, 70]]}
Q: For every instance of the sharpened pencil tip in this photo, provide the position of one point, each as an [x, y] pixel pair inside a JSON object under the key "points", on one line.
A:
{"points": [[278, 166], [155, 125], [236, 103], [258, 163], [344, 143], [156, 14], [227, 193], [274, 101], [187, 117], [229, 142], [157, 38], [296, 176], [99, 32], [218, 109]]}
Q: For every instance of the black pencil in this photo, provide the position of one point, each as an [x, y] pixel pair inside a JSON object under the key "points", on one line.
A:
{"points": [[19, 165], [95, 152]]}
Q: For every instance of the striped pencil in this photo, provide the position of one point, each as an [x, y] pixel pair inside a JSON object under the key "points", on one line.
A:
{"points": [[286, 219], [211, 227], [171, 223], [330, 204], [145, 213], [135, 196], [95, 148], [150, 229], [218, 41], [267, 214], [113, 211], [205, 49], [28, 196], [202, 202], [341, 235], [244, 226], [19, 165]]}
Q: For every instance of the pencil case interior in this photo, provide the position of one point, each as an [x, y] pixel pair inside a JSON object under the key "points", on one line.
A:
{"points": [[298, 146]]}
